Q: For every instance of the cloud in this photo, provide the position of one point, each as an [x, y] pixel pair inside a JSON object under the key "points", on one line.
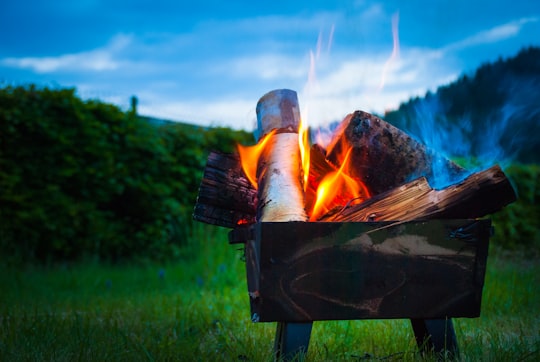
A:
{"points": [[268, 66], [343, 85], [493, 35], [97, 60], [238, 113], [215, 73]]}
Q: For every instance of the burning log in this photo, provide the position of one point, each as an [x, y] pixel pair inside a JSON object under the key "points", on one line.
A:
{"points": [[226, 197], [383, 156], [281, 196], [318, 168], [480, 194]]}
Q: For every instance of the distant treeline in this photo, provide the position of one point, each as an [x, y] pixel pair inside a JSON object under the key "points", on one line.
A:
{"points": [[84, 179], [494, 112]]}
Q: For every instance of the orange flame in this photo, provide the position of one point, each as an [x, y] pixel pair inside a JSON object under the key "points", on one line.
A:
{"points": [[303, 142], [337, 189], [249, 157]]}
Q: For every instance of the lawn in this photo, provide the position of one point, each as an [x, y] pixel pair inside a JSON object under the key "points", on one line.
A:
{"points": [[197, 310]]}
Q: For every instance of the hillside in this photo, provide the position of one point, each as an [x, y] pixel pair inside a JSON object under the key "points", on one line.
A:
{"points": [[492, 114]]}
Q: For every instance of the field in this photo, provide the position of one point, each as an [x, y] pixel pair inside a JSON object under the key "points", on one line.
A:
{"points": [[197, 310]]}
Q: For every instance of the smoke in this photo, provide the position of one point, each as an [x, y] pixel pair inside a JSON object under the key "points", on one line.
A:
{"points": [[479, 137]]}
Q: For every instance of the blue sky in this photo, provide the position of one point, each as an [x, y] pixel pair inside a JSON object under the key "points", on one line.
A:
{"points": [[208, 62]]}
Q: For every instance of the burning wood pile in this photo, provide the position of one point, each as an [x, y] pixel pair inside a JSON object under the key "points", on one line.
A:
{"points": [[370, 171], [353, 230]]}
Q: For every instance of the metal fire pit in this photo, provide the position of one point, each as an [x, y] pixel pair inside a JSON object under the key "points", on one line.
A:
{"points": [[425, 271]]}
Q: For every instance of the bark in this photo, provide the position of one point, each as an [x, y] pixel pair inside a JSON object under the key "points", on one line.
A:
{"points": [[226, 197], [281, 195]]}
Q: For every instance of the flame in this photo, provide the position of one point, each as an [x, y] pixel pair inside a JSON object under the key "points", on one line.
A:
{"points": [[337, 189], [249, 157], [303, 142]]}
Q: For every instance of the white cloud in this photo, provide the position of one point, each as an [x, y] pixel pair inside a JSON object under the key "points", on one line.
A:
{"points": [[344, 82], [102, 59], [238, 113], [493, 35], [266, 67]]}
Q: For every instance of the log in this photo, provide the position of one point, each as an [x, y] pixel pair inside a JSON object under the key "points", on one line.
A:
{"points": [[384, 156], [480, 194], [318, 168], [226, 197], [281, 195]]}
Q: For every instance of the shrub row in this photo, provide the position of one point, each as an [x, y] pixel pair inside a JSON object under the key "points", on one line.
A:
{"points": [[83, 179], [517, 226]]}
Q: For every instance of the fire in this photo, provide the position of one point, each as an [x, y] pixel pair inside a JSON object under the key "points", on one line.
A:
{"points": [[249, 157], [303, 142], [337, 189]]}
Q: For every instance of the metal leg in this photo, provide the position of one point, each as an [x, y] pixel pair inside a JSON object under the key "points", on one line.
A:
{"points": [[292, 340], [436, 335]]}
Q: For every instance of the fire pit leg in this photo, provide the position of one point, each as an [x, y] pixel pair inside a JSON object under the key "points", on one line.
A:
{"points": [[436, 335], [292, 340]]}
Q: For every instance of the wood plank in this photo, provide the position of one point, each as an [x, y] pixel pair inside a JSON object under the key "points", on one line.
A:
{"points": [[478, 195]]}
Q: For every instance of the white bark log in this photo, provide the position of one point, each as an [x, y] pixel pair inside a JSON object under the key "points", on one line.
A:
{"points": [[281, 196]]}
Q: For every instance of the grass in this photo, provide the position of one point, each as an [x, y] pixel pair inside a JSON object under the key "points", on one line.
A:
{"points": [[198, 310]]}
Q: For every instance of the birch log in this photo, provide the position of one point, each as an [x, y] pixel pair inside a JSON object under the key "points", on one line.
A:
{"points": [[281, 196]]}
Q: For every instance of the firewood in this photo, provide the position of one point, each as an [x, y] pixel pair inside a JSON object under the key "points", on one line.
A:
{"points": [[281, 195], [226, 197], [480, 194], [318, 168], [384, 156]]}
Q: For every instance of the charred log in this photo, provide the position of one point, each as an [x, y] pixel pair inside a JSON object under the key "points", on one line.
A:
{"points": [[226, 197], [384, 156]]}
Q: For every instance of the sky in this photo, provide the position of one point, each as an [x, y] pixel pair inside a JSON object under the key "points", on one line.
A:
{"points": [[209, 62]]}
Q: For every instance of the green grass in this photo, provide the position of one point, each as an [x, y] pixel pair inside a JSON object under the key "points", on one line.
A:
{"points": [[198, 310]]}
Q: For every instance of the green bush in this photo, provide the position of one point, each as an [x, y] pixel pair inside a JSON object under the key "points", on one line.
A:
{"points": [[83, 179], [517, 225]]}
